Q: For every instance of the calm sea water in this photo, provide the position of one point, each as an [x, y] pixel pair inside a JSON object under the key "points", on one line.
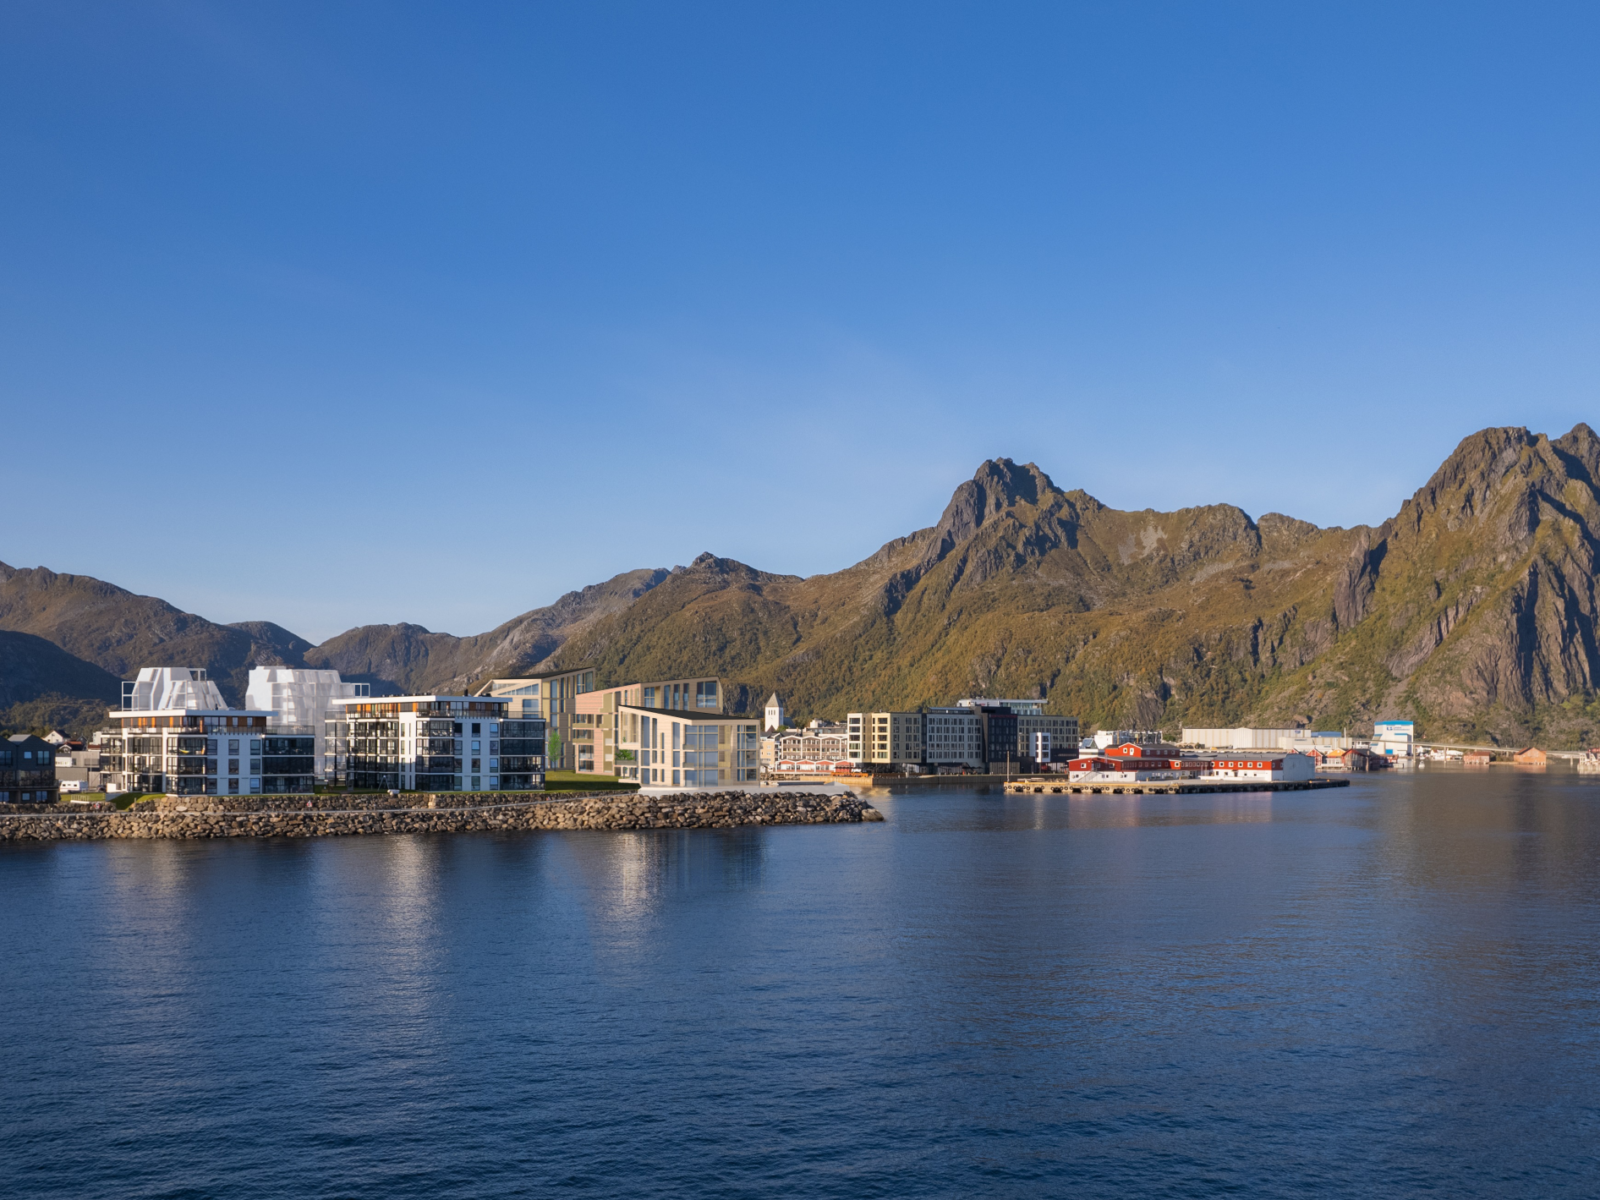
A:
{"points": [[1389, 990]]}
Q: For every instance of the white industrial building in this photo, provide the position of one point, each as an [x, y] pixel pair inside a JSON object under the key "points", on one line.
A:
{"points": [[1240, 739], [301, 699]]}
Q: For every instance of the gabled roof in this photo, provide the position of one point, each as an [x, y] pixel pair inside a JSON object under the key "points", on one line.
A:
{"points": [[773, 701]]}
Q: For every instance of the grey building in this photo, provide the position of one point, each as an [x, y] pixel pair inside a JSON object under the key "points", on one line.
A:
{"points": [[27, 770]]}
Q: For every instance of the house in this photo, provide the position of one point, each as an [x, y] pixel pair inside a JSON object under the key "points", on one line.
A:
{"points": [[1358, 759], [1477, 758], [27, 770], [1531, 756]]}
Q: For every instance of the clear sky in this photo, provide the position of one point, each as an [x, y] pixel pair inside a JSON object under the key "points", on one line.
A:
{"points": [[342, 313]]}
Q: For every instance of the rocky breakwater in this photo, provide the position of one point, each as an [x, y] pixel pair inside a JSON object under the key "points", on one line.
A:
{"points": [[699, 810]]}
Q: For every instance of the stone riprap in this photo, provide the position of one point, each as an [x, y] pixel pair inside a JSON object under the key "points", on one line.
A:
{"points": [[701, 810]]}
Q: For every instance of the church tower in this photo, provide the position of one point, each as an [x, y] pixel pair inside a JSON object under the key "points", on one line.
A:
{"points": [[774, 713]]}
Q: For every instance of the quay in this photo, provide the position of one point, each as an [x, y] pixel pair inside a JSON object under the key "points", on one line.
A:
{"points": [[1028, 787]]}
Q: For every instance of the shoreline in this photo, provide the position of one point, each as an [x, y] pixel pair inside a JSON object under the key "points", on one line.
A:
{"points": [[174, 817]]}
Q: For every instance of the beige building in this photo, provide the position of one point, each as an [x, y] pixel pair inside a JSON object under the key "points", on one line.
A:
{"points": [[885, 737], [671, 748], [552, 696], [595, 720]]}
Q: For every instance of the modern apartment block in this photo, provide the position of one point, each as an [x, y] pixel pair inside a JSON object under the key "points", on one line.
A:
{"points": [[551, 697], [27, 770], [595, 728], [972, 734], [953, 737], [676, 747], [298, 698], [203, 752], [1031, 719], [435, 744], [889, 738]]}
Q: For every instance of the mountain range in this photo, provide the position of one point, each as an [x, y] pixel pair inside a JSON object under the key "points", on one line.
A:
{"points": [[1471, 610]]}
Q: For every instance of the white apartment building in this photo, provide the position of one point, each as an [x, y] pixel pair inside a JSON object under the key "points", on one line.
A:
{"points": [[434, 744], [299, 698], [175, 734]]}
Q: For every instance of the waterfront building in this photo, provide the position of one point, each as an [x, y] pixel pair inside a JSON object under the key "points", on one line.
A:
{"points": [[435, 743], [583, 716], [186, 751], [594, 727], [1282, 767], [27, 770], [892, 739], [953, 737], [684, 748], [299, 698], [774, 715], [551, 697], [821, 747], [1532, 756]]}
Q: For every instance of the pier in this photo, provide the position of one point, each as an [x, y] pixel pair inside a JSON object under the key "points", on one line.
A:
{"points": [[1034, 787]]}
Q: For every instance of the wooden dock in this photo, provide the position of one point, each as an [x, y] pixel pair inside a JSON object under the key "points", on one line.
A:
{"points": [[1037, 787]]}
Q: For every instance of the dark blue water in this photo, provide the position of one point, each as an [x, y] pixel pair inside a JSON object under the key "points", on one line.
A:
{"points": [[1391, 990]]}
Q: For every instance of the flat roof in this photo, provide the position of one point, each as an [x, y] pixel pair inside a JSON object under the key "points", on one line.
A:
{"points": [[195, 712], [434, 699], [688, 714]]}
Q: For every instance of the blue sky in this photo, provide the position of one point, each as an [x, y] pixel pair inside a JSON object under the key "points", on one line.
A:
{"points": [[458, 307]]}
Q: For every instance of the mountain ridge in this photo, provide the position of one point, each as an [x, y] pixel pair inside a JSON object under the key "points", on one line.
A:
{"points": [[1471, 609]]}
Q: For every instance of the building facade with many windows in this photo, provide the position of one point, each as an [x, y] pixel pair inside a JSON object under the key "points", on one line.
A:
{"points": [[27, 770], [435, 744], [204, 752], [682, 748]]}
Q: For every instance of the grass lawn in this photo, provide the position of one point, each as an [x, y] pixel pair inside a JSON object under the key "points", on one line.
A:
{"points": [[571, 781]]}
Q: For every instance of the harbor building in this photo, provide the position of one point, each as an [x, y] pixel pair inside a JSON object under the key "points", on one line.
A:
{"points": [[953, 737], [435, 744], [820, 748], [299, 698], [27, 770], [184, 740], [683, 748]]}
